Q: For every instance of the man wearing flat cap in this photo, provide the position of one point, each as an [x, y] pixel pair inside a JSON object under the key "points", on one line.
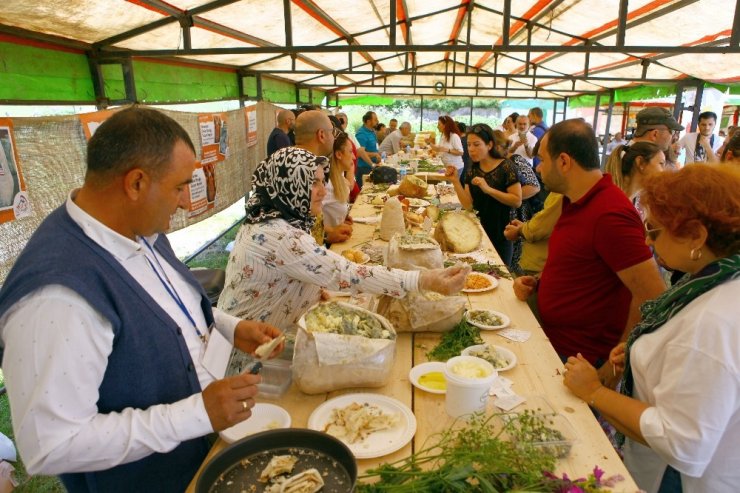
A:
{"points": [[656, 125]]}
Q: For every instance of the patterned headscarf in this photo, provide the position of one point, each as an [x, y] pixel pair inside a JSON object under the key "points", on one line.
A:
{"points": [[282, 187]]}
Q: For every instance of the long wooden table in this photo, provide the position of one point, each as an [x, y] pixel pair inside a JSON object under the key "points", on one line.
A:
{"points": [[538, 374]]}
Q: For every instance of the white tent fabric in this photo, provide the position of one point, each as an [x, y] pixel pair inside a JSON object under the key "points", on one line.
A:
{"points": [[341, 23]]}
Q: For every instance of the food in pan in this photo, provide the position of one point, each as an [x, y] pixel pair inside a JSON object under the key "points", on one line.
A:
{"points": [[354, 255], [308, 481], [278, 465]]}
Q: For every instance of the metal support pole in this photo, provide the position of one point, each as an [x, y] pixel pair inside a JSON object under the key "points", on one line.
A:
{"points": [[392, 33], [622, 27], [697, 105], [128, 80], [259, 87], [240, 87], [596, 113], [507, 23], [605, 143], [471, 110], [288, 23], [101, 101], [186, 22], [421, 116]]}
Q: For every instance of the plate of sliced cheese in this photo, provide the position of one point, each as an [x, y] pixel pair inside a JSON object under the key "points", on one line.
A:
{"points": [[371, 425]]}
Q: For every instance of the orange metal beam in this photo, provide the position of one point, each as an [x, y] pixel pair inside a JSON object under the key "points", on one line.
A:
{"points": [[457, 27], [516, 27], [645, 9]]}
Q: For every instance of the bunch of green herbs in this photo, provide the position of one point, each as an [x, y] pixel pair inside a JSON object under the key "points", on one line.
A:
{"points": [[453, 342], [475, 457]]}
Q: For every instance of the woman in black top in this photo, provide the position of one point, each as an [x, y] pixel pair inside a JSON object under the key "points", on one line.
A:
{"points": [[492, 185]]}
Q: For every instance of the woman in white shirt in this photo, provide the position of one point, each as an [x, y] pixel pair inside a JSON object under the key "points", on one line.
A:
{"points": [[277, 271], [341, 181], [450, 147], [679, 401]]}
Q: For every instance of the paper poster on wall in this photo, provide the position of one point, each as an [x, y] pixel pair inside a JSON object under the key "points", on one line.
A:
{"points": [[202, 189], [214, 139], [250, 115], [91, 121], [14, 201]]}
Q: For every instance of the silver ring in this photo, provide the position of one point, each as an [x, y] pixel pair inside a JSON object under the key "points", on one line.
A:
{"points": [[245, 406]]}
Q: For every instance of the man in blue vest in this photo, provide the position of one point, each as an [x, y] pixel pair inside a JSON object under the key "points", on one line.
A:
{"points": [[105, 334]]}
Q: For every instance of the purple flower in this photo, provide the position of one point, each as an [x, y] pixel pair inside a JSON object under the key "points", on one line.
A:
{"points": [[598, 473]]}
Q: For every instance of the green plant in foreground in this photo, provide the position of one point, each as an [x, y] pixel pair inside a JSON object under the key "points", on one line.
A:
{"points": [[453, 342], [475, 457]]}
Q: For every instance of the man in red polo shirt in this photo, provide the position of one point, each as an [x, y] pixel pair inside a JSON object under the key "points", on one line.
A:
{"points": [[599, 270]]}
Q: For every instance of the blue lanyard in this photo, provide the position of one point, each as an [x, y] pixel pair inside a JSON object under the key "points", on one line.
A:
{"points": [[170, 288]]}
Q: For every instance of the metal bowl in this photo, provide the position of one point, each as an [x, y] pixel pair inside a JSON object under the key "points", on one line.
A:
{"points": [[237, 467]]}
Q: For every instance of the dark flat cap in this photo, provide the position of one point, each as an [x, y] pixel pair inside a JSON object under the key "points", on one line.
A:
{"points": [[653, 116]]}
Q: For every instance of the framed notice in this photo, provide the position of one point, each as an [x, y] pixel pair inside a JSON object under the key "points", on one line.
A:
{"points": [[250, 115], [214, 138], [91, 121], [14, 201], [202, 189]]}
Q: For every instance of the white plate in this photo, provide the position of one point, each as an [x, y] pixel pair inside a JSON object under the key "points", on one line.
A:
{"points": [[502, 351], [376, 444], [505, 320], [422, 369], [493, 280], [418, 202], [264, 417]]}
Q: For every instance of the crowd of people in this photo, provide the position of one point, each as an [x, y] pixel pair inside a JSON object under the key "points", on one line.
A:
{"points": [[115, 380]]}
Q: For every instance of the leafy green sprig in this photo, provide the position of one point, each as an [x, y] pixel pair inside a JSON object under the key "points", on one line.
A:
{"points": [[453, 342], [473, 458]]}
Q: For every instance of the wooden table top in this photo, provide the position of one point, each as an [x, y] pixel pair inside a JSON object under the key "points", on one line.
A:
{"points": [[536, 376]]}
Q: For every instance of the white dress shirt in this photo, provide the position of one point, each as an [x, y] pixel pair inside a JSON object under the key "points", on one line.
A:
{"points": [[392, 143], [689, 372], [688, 143], [519, 149], [56, 351]]}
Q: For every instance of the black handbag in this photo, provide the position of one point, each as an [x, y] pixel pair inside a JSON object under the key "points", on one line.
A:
{"points": [[383, 174]]}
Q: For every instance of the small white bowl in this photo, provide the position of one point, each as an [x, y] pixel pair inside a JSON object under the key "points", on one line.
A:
{"points": [[505, 320], [501, 351], [264, 417]]}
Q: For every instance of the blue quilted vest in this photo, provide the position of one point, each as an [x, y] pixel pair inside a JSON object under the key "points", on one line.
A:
{"points": [[150, 363]]}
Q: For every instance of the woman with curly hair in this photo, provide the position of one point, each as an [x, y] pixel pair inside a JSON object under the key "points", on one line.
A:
{"points": [[491, 186], [679, 401]]}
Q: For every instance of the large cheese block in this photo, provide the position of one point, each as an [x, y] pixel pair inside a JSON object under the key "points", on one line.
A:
{"points": [[412, 186], [458, 232]]}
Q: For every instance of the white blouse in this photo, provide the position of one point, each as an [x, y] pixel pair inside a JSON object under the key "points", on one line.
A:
{"points": [[276, 272], [453, 143], [334, 211]]}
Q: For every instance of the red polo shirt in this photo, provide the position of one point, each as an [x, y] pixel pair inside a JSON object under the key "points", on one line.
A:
{"points": [[583, 304]]}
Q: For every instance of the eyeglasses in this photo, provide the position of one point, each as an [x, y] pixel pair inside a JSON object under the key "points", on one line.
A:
{"points": [[650, 231], [335, 131], [481, 129]]}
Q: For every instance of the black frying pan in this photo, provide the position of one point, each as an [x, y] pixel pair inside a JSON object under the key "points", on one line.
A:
{"points": [[229, 472]]}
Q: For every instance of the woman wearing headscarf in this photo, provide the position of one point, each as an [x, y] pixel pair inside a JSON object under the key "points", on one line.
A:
{"points": [[679, 399], [277, 270]]}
